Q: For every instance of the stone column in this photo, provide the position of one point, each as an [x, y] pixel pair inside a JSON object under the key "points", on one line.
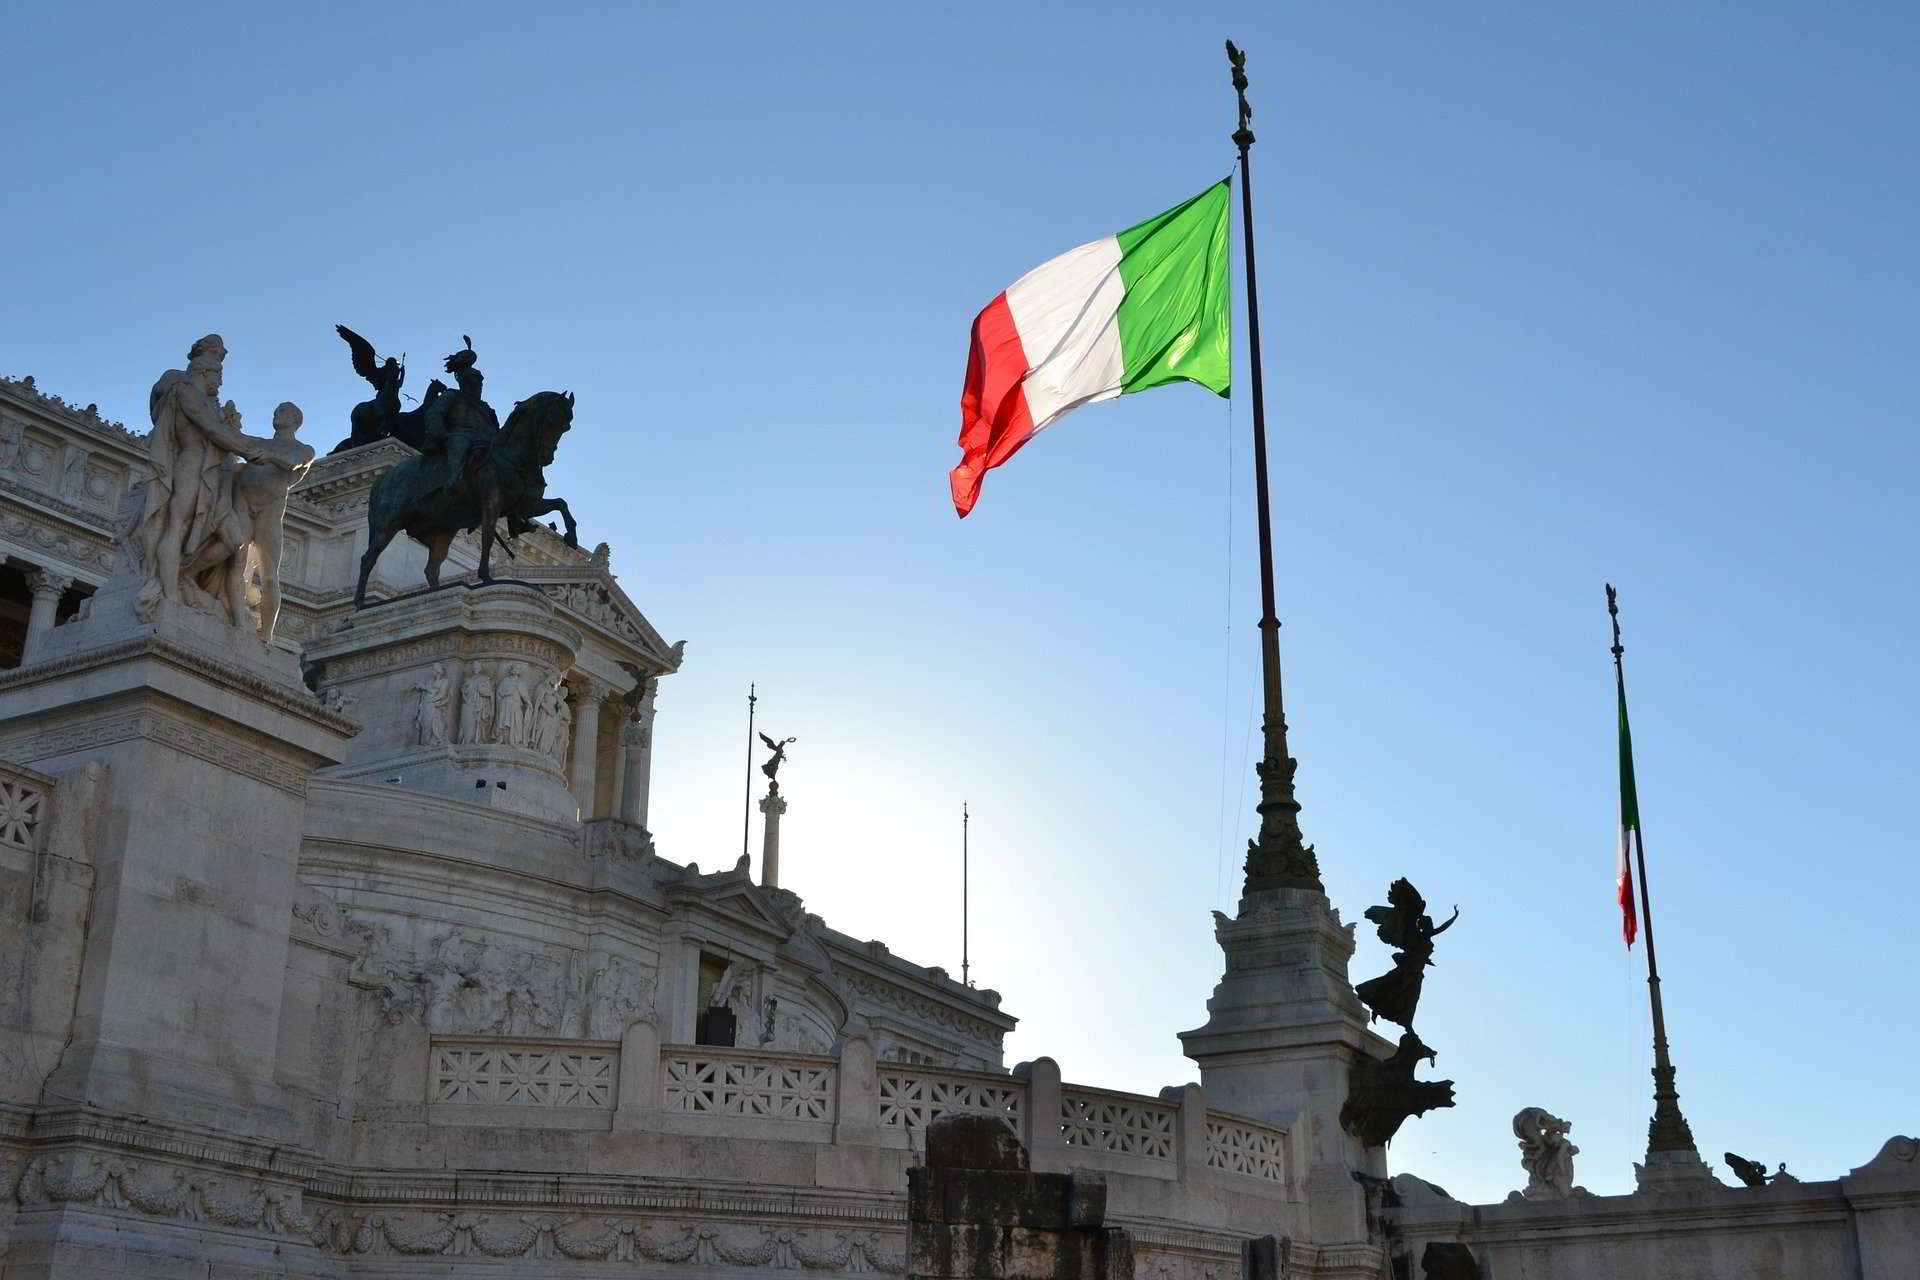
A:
{"points": [[622, 748], [773, 805], [588, 695], [636, 764], [47, 588]]}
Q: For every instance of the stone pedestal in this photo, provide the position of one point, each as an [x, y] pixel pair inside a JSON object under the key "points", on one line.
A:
{"points": [[380, 663], [208, 739], [1284, 1033], [976, 1212]]}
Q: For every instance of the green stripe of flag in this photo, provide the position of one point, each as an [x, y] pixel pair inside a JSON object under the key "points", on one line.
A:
{"points": [[1175, 320], [1629, 793]]}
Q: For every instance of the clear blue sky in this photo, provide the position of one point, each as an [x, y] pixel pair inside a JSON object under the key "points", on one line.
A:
{"points": [[1555, 295]]}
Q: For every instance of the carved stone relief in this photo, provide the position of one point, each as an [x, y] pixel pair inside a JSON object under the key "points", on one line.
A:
{"points": [[462, 983]]}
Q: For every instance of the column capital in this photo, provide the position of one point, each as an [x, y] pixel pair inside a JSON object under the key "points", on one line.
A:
{"points": [[46, 582], [587, 689]]}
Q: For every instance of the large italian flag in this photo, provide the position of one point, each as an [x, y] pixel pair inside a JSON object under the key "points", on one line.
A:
{"points": [[1629, 828], [1128, 312]]}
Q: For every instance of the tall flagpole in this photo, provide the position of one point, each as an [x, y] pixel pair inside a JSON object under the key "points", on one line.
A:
{"points": [[1278, 858], [965, 878], [746, 805], [1669, 1137]]}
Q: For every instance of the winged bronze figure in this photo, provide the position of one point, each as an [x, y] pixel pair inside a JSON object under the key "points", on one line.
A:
{"points": [[1405, 925], [381, 417], [772, 767]]}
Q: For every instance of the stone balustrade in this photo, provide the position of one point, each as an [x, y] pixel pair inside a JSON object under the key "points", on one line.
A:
{"points": [[639, 1084]]}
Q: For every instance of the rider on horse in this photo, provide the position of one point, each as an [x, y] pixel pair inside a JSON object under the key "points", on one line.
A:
{"points": [[459, 424]]}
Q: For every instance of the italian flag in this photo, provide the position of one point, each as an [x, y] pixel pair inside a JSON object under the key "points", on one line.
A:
{"points": [[1128, 312], [1629, 828]]}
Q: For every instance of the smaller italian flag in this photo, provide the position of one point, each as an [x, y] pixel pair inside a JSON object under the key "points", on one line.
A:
{"points": [[1629, 827], [1128, 312]]}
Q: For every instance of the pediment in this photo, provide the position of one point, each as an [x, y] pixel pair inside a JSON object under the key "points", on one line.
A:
{"points": [[596, 602]]}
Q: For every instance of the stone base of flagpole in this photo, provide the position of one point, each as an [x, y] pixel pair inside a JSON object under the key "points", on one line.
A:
{"points": [[1284, 1032], [1674, 1171]]}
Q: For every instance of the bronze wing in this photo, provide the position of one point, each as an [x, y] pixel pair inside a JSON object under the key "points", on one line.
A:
{"points": [[365, 363]]}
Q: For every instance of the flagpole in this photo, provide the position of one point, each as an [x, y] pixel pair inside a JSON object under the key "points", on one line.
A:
{"points": [[1668, 1131], [965, 879], [746, 805], [1278, 858]]}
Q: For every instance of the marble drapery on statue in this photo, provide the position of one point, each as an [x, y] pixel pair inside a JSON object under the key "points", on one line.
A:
{"points": [[435, 697], [206, 518]]}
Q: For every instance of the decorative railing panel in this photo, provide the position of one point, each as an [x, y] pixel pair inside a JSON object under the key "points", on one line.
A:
{"points": [[23, 809], [1121, 1123], [524, 1075], [1238, 1146], [914, 1099], [725, 1084]]}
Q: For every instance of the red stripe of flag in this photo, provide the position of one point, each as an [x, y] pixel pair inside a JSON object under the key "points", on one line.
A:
{"points": [[994, 421]]}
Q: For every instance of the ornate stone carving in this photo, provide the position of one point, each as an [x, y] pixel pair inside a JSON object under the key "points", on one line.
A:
{"points": [[522, 1075], [476, 705], [164, 1190], [552, 721], [22, 808], [1546, 1153], [468, 985], [512, 702], [913, 1099], [1238, 1147], [613, 838], [433, 698], [897, 998], [596, 604], [44, 583]]}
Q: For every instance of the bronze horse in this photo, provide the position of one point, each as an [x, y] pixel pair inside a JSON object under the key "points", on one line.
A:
{"points": [[503, 481]]}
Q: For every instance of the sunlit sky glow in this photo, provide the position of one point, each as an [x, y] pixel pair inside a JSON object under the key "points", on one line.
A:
{"points": [[1554, 295]]}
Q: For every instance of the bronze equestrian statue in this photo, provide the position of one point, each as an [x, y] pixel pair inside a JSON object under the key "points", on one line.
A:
{"points": [[473, 474]]}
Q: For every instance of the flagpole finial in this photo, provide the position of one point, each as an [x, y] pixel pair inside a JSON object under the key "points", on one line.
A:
{"points": [[1613, 612], [1243, 136]]}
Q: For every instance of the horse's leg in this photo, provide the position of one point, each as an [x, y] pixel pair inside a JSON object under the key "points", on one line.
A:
{"points": [[489, 513], [437, 544], [378, 536], [551, 505]]}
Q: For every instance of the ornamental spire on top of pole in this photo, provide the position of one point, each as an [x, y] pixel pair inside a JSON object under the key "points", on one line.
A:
{"points": [[1279, 857]]}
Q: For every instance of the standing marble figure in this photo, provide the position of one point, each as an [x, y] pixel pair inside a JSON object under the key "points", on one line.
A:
{"points": [[253, 513], [187, 499], [510, 708], [430, 711], [476, 705]]}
